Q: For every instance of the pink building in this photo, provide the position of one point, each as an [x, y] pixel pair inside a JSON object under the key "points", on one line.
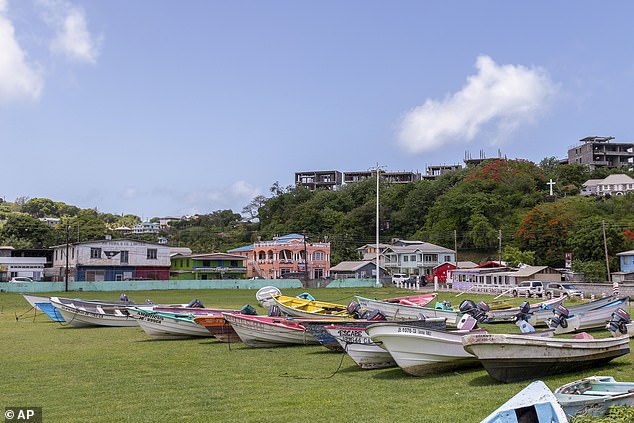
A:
{"points": [[288, 256]]}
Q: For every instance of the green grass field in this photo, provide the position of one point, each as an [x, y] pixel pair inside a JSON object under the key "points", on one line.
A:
{"points": [[120, 374]]}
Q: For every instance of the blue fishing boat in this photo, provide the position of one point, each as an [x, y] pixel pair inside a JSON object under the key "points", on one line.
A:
{"points": [[593, 395]]}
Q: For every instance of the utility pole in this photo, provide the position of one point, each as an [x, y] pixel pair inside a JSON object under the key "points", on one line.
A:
{"points": [[66, 272], [500, 246], [455, 246], [378, 169], [605, 247]]}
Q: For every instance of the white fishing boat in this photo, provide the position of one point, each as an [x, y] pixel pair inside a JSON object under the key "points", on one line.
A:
{"points": [[591, 319], [357, 344], [81, 313], [593, 395], [534, 404], [541, 316], [421, 351], [516, 357], [166, 325], [401, 311], [265, 331]]}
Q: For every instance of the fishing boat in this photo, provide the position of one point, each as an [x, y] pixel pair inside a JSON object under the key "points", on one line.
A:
{"points": [[80, 313], [169, 325], [302, 307], [317, 327], [44, 304], [218, 327], [535, 404], [542, 315], [266, 331], [593, 395], [401, 311], [356, 342], [265, 295], [516, 357], [422, 351], [508, 314], [594, 318]]}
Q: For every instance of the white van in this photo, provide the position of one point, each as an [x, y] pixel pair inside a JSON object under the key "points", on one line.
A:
{"points": [[399, 278]]}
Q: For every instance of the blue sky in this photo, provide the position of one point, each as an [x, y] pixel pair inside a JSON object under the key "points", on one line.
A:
{"points": [[160, 108]]}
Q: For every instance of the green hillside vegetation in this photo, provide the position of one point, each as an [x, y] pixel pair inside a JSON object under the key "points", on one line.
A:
{"points": [[478, 209]]}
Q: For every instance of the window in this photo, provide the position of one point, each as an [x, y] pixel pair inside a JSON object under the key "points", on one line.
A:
{"points": [[95, 253], [412, 257], [72, 253], [124, 256], [56, 251], [318, 256], [405, 258], [151, 254]]}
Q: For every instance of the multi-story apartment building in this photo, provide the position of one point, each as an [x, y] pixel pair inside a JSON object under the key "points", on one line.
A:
{"points": [[391, 177], [321, 179], [284, 256], [147, 228], [600, 152], [112, 260]]}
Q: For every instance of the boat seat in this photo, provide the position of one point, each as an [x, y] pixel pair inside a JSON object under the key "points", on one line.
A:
{"points": [[602, 393]]}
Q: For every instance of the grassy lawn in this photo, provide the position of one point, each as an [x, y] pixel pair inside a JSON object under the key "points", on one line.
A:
{"points": [[119, 374]]}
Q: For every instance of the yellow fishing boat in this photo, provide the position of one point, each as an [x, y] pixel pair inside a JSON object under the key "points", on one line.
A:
{"points": [[300, 307]]}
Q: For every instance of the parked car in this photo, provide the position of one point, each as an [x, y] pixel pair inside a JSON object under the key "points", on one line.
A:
{"points": [[399, 278], [21, 279], [530, 288], [559, 289]]}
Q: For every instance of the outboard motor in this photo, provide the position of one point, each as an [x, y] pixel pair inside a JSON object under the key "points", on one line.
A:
{"points": [[354, 309], [478, 312], [421, 317], [522, 318], [618, 322], [376, 315], [274, 311], [195, 303], [248, 310], [560, 317]]}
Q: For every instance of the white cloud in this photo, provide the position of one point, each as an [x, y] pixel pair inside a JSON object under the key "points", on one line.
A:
{"points": [[130, 193], [18, 80], [72, 37], [242, 189], [504, 95]]}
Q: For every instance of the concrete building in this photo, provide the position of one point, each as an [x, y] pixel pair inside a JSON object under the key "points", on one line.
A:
{"points": [[208, 266], [600, 152], [416, 257], [322, 179], [146, 228], [112, 260], [286, 255]]}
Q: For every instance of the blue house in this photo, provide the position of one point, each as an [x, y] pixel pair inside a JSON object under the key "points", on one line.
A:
{"points": [[626, 261]]}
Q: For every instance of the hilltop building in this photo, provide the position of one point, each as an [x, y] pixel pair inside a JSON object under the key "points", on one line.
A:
{"points": [[600, 152]]}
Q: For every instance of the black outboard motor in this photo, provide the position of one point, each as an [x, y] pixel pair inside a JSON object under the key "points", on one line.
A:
{"points": [[195, 303], [376, 315], [354, 309], [618, 322], [560, 317], [525, 312], [478, 312]]}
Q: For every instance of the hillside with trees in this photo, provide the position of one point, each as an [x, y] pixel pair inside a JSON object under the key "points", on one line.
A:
{"points": [[499, 203]]}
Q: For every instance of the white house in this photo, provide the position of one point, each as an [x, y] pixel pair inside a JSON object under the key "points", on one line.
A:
{"points": [[31, 267], [146, 228], [416, 257], [111, 260], [617, 184]]}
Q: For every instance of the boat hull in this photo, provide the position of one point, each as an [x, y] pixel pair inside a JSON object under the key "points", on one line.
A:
{"points": [[79, 316], [513, 358], [163, 326], [218, 327], [356, 342], [422, 351], [259, 332]]}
